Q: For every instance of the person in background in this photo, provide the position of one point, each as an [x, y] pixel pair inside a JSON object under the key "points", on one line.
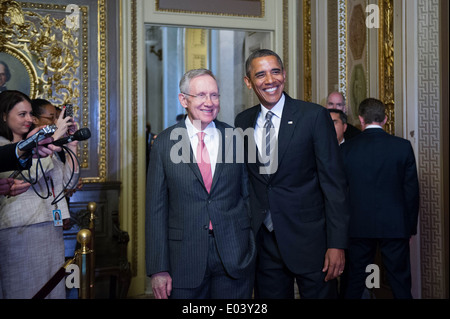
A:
{"points": [[31, 246], [335, 100], [299, 209], [199, 242], [340, 124], [384, 201]]}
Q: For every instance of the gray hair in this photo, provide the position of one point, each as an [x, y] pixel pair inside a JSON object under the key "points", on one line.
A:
{"points": [[191, 74]]}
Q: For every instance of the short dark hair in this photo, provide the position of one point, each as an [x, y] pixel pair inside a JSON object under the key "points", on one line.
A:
{"points": [[259, 54], [37, 106], [372, 110], [9, 99], [342, 115]]}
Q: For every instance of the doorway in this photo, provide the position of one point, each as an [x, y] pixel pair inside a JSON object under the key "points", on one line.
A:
{"points": [[171, 51]]}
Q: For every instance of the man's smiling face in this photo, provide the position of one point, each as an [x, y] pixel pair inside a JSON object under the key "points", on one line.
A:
{"points": [[202, 111], [267, 80]]}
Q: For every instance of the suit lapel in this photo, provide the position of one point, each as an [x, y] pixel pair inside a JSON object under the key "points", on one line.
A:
{"points": [[190, 158], [223, 148], [187, 157], [289, 120], [250, 122]]}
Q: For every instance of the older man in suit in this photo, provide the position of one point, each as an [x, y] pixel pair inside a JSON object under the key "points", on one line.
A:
{"points": [[299, 207], [335, 100], [384, 201], [199, 242]]}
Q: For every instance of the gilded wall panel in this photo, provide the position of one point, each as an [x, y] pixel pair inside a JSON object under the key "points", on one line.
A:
{"points": [[54, 53]]}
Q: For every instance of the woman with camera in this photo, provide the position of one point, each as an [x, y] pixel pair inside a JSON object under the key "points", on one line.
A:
{"points": [[31, 239]]}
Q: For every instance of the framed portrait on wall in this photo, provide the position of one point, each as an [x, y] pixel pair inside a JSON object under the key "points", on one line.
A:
{"points": [[18, 70]]}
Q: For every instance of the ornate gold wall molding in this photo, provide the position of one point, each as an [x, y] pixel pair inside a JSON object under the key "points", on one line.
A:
{"points": [[386, 56], [196, 48], [51, 41], [307, 67]]}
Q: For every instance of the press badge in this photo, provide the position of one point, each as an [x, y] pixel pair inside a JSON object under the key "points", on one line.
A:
{"points": [[57, 220]]}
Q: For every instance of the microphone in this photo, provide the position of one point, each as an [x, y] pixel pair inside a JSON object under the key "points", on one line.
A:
{"points": [[30, 143], [80, 135]]}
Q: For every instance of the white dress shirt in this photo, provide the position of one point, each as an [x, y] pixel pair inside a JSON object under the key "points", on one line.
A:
{"points": [[277, 110], [211, 141]]}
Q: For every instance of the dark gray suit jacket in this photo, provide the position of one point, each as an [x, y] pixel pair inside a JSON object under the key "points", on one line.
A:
{"points": [[307, 195], [179, 208]]}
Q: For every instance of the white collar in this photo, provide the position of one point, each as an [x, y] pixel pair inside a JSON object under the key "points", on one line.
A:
{"points": [[277, 110], [192, 130], [373, 126]]}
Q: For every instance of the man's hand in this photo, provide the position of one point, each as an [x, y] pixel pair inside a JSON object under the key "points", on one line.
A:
{"points": [[19, 187], [43, 150], [161, 285], [5, 185], [13, 187], [46, 150], [334, 263]]}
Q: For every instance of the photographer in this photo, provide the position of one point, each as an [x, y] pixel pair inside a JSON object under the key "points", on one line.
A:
{"points": [[27, 221]]}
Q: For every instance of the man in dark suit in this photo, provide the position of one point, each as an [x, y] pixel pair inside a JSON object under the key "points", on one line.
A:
{"points": [[335, 100], [299, 209], [199, 242], [384, 201]]}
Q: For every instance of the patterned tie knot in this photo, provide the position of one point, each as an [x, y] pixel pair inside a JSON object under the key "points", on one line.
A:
{"points": [[268, 122], [201, 136]]}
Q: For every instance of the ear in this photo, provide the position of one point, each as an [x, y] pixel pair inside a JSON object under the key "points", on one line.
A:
{"points": [[385, 120], [248, 82], [182, 99], [361, 120], [345, 127]]}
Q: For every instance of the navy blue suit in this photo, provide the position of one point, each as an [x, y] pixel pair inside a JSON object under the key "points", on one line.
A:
{"points": [[384, 206], [306, 195]]}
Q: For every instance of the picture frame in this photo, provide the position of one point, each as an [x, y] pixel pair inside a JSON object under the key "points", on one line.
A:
{"points": [[23, 76]]}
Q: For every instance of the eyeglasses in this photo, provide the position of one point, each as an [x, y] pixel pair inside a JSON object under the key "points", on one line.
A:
{"points": [[47, 118], [202, 96]]}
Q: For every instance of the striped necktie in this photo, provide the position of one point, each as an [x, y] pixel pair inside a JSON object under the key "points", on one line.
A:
{"points": [[269, 136], [204, 164]]}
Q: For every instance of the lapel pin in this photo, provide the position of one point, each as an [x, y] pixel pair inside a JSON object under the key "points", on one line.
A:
{"points": [[290, 122]]}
